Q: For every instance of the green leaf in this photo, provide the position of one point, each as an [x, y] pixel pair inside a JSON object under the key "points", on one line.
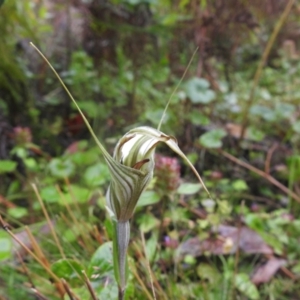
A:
{"points": [[61, 168], [69, 269], [151, 245], [190, 259], [284, 110], [1, 2], [224, 208], [13, 188], [77, 193], [246, 287], [147, 222], [50, 194], [81, 292], [17, 212], [5, 246], [31, 164], [207, 272], [197, 89], [101, 272], [239, 185], [189, 188], [213, 138], [7, 166], [101, 261], [255, 222], [154, 116], [255, 134], [90, 107], [192, 157], [197, 118], [85, 158], [272, 241], [148, 198], [264, 112], [97, 175]]}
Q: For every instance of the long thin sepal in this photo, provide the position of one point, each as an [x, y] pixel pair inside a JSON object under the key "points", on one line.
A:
{"points": [[102, 149]]}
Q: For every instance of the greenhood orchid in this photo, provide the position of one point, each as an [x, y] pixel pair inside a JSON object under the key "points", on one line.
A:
{"points": [[131, 169]]}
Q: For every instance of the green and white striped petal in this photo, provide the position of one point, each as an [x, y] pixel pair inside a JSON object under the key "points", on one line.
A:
{"points": [[133, 166]]}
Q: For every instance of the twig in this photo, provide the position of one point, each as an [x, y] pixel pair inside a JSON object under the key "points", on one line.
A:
{"points": [[48, 221], [288, 273], [141, 282], [89, 286], [36, 248], [262, 174], [6, 202], [38, 294], [68, 291], [97, 235], [25, 270], [74, 219], [197, 212], [156, 283], [268, 158]]}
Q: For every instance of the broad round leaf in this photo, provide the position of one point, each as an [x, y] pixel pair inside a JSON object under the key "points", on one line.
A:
{"points": [[7, 166], [97, 175], [101, 273], [102, 260], [148, 198], [61, 168], [213, 138], [197, 89], [50, 194], [17, 212], [189, 188], [69, 269]]}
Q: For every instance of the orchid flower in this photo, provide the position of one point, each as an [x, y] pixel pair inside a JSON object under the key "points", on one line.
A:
{"points": [[131, 171]]}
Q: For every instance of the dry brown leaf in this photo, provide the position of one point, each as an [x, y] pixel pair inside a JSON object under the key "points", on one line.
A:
{"points": [[226, 242], [248, 240], [265, 272]]}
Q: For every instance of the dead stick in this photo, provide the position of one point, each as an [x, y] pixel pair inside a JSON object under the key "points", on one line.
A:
{"points": [[262, 174]]}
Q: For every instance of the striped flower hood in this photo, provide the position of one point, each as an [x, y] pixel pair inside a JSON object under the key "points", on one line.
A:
{"points": [[132, 169]]}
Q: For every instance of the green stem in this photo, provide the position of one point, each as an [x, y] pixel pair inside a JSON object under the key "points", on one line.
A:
{"points": [[120, 246], [121, 294]]}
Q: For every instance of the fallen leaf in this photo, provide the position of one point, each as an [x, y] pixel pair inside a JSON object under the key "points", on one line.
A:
{"points": [[227, 241], [265, 272], [249, 241]]}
